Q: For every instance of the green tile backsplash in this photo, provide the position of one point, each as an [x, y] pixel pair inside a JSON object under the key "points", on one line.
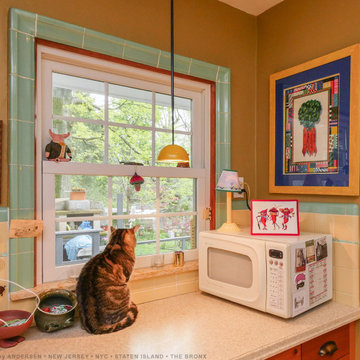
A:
{"points": [[20, 265], [20, 245], [329, 208], [21, 213], [4, 214]]}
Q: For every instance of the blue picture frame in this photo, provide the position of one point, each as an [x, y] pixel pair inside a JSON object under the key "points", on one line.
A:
{"points": [[313, 126]]}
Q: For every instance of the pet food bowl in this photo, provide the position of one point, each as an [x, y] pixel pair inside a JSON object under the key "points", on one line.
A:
{"points": [[9, 335], [49, 322]]}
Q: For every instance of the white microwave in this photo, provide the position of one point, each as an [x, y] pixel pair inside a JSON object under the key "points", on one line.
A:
{"points": [[281, 275]]}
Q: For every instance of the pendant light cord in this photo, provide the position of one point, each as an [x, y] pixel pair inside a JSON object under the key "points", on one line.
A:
{"points": [[172, 70]]}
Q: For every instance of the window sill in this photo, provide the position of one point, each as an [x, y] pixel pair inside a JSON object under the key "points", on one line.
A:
{"points": [[138, 274]]}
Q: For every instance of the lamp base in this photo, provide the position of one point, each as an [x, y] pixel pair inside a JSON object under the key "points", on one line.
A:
{"points": [[229, 228]]}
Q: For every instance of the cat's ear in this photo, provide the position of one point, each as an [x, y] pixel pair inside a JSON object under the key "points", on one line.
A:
{"points": [[136, 228], [112, 229]]}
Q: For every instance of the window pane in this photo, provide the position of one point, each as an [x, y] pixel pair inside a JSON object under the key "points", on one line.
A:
{"points": [[182, 114], [146, 235], [78, 241], [126, 200], [86, 141], [130, 145], [79, 195], [177, 233], [130, 106], [177, 194], [164, 138], [78, 97]]}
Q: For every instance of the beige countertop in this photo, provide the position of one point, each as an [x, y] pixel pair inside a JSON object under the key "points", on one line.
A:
{"points": [[190, 326]]}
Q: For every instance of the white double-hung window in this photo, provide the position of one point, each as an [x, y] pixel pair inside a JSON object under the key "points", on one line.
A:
{"points": [[119, 118]]}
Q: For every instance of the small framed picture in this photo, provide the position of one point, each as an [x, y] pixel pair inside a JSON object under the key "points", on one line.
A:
{"points": [[275, 217]]}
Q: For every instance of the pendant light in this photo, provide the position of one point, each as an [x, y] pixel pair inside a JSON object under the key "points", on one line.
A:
{"points": [[173, 153]]}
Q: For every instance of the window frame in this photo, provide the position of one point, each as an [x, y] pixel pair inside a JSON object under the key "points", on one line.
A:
{"points": [[201, 165]]}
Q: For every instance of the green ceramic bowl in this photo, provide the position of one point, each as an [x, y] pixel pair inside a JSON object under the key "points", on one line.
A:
{"points": [[49, 322]]}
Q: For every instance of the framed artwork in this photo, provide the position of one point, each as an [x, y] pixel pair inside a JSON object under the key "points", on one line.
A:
{"points": [[314, 116], [275, 217]]}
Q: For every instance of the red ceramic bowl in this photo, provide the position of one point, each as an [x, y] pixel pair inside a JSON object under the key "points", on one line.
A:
{"points": [[11, 331]]}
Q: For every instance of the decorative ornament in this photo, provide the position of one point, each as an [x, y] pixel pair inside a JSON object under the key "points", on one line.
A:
{"points": [[309, 116], [136, 180], [56, 150]]}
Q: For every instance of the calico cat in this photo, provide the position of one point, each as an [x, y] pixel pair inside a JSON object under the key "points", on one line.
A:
{"points": [[102, 292]]}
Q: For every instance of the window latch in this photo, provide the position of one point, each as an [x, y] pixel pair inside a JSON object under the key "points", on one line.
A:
{"points": [[207, 214]]}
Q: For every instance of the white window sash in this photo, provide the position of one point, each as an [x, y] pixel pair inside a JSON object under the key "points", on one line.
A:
{"points": [[55, 60]]}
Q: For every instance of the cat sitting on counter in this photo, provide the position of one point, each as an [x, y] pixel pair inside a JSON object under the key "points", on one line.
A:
{"points": [[102, 291]]}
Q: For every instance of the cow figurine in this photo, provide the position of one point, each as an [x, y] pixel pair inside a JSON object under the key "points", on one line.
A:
{"points": [[56, 150]]}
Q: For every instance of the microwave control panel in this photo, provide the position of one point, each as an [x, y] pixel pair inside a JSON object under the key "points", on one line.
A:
{"points": [[276, 280]]}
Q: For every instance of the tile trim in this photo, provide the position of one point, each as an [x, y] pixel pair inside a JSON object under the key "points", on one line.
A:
{"points": [[315, 208], [335, 240], [28, 23], [4, 214]]}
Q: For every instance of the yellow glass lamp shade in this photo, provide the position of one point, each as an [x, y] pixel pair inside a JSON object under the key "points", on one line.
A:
{"points": [[173, 153]]}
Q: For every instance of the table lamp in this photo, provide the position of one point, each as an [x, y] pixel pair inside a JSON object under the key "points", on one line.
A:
{"points": [[229, 182]]}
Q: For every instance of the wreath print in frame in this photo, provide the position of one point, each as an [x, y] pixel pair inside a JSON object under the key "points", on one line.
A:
{"points": [[313, 126]]}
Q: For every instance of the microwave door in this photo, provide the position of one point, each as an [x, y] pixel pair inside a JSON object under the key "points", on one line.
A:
{"points": [[233, 268]]}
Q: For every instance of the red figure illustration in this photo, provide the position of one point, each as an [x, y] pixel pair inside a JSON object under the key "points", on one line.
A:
{"points": [[263, 218], [287, 214], [274, 212]]}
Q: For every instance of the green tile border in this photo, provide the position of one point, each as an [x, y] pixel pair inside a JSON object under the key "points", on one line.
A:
{"points": [[314, 208], [4, 214], [19, 265], [239, 205], [23, 29], [329, 208]]}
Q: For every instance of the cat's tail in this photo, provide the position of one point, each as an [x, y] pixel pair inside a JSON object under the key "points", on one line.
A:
{"points": [[128, 320]]}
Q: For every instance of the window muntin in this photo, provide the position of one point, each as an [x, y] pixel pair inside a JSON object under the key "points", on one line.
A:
{"points": [[182, 113], [117, 124], [122, 101], [78, 97], [83, 212], [103, 162]]}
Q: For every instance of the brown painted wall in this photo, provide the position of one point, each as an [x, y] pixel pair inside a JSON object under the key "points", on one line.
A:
{"points": [[207, 30], [289, 34]]}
